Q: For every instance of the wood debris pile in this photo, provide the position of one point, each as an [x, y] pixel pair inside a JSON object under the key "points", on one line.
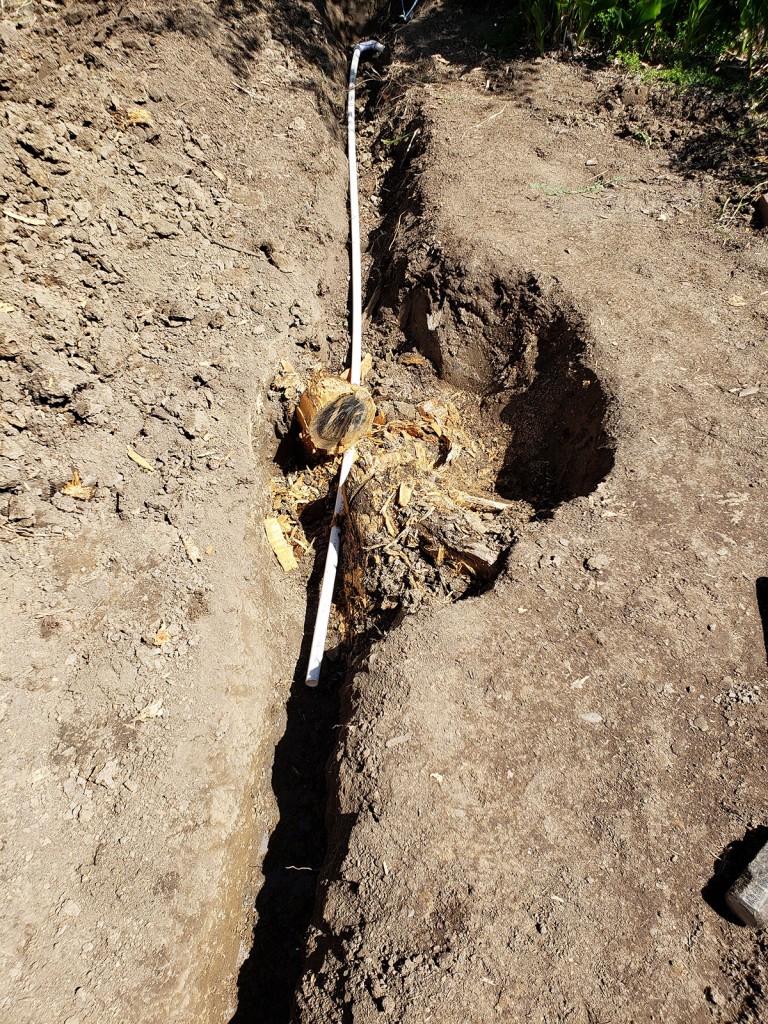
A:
{"points": [[421, 522], [291, 496]]}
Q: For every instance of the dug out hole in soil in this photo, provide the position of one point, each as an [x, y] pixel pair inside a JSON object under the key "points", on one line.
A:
{"points": [[521, 351]]}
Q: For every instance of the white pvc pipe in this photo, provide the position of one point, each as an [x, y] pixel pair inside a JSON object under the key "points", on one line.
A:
{"points": [[354, 214], [334, 542]]}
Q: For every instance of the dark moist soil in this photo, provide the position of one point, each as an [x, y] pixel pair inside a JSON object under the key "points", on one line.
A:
{"points": [[542, 708]]}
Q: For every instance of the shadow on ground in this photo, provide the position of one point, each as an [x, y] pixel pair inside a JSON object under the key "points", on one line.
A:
{"points": [[270, 975], [727, 868]]}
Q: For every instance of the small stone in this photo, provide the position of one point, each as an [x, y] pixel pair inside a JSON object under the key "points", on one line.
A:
{"points": [[748, 896], [715, 996], [87, 139], [70, 908], [592, 717], [9, 348], [90, 403], [107, 351], [161, 227], [64, 503], [278, 257], [37, 139], [701, 723], [57, 211], [16, 416], [406, 411], [192, 550], [180, 311], [83, 209], [550, 562], [195, 424], [54, 385], [11, 449], [377, 989], [106, 777], [22, 508], [597, 563], [396, 741], [10, 477]]}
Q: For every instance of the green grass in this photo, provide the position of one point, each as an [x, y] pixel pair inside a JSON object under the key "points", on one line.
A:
{"points": [[687, 37], [592, 188], [680, 74]]}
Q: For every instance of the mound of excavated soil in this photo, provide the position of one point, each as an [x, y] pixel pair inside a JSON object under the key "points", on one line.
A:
{"points": [[549, 646]]}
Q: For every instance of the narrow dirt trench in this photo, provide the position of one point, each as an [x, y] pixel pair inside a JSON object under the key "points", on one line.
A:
{"points": [[501, 360]]}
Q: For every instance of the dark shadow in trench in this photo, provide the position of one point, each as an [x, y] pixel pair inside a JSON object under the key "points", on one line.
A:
{"points": [[271, 974], [560, 450]]}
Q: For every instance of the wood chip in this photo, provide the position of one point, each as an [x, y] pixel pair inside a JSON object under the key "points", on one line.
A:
{"points": [[365, 368], [76, 489], [414, 359], [34, 221], [162, 636], [389, 523], [475, 501], [279, 544], [192, 550], [138, 116], [287, 378], [139, 460], [404, 493]]}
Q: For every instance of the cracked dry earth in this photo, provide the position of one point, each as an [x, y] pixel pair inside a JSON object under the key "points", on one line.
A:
{"points": [[538, 788]]}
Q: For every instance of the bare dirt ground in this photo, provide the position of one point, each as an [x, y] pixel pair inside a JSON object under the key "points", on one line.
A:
{"points": [[543, 779], [147, 643]]}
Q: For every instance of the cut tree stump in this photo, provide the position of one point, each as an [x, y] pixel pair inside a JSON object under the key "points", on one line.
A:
{"points": [[333, 414]]}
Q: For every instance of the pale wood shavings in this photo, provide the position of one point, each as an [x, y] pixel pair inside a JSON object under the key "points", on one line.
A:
{"points": [[278, 543]]}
